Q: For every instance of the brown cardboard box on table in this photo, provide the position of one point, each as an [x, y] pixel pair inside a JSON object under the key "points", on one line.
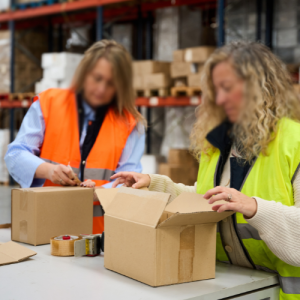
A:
{"points": [[41, 213], [158, 243]]}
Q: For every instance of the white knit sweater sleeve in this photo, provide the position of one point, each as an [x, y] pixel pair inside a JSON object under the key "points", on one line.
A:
{"points": [[278, 226], [164, 184]]}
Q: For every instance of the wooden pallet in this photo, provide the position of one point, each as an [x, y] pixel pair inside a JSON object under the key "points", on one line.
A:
{"points": [[185, 91], [162, 92], [21, 96], [5, 183]]}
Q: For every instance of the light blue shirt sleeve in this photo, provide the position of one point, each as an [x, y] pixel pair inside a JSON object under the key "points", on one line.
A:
{"points": [[130, 160], [22, 157]]}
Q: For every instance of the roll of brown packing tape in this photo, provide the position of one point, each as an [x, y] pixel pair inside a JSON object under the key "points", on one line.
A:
{"points": [[63, 245]]}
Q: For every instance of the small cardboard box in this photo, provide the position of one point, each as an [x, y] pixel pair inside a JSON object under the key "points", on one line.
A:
{"points": [[182, 69], [178, 55], [198, 54], [138, 82], [41, 213], [194, 80], [156, 243], [156, 81], [179, 173], [11, 252], [150, 67], [181, 157]]}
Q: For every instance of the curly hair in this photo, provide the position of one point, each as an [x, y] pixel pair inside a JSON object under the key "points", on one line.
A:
{"points": [[268, 96]]}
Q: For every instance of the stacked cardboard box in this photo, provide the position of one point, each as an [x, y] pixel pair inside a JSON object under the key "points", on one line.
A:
{"points": [[149, 75], [58, 70], [187, 65], [5, 61], [182, 167]]}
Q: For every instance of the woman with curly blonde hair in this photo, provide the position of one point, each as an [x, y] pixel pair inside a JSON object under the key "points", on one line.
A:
{"points": [[247, 134]]}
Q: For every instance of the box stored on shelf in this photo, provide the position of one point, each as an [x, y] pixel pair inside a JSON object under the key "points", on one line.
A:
{"points": [[198, 54], [156, 81], [158, 243], [178, 55], [41, 213], [150, 67], [182, 69]]}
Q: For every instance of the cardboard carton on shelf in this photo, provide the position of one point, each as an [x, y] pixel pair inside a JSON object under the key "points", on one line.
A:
{"points": [[179, 173], [156, 81], [144, 67], [181, 157], [182, 69], [41, 213], [178, 55], [158, 243], [198, 54], [138, 82]]}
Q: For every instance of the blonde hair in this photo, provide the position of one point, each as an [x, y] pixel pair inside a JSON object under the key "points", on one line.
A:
{"points": [[121, 63], [268, 96]]}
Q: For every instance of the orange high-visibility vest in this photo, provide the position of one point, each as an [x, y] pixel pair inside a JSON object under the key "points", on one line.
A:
{"points": [[61, 141]]}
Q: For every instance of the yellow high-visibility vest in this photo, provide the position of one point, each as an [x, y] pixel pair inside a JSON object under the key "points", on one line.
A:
{"points": [[270, 178]]}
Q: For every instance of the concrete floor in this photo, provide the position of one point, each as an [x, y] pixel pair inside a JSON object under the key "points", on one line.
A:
{"points": [[5, 204]]}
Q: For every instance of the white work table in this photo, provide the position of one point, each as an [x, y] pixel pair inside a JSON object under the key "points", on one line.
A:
{"points": [[50, 277]]}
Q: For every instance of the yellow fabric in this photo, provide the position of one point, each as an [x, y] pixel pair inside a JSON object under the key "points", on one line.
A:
{"points": [[271, 179]]}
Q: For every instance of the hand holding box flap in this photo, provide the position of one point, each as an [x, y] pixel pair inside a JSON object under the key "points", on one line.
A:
{"points": [[192, 209], [12, 252], [189, 203], [138, 206]]}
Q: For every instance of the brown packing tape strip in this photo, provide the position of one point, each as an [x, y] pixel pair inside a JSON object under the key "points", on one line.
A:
{"points": [[62, 247]]}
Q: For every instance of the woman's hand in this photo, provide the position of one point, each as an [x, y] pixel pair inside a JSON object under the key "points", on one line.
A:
{"points": [[61, 174], [238, 202], [131, 179], [88, 183]]}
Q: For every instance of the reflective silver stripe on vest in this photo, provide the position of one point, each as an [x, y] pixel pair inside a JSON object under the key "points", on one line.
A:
{"points": [[290, 285], [247, 231], [50, 161], [98, 211], [98, 174]]}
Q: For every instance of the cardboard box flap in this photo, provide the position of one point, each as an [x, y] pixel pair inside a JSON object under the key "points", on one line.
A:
{"points": [[12, 252], [105, 196], [195, 218], [189, 203], [138, 206]]}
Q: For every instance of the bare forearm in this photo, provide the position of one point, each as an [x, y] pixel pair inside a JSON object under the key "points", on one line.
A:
{"points": [[43, 171]]}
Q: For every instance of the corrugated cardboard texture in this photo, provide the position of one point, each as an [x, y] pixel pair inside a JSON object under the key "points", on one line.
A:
{"points": [[189, 203], [11, 252], [181, 69], [181, 249], [41, 213], [138, 206], [130, 249]]}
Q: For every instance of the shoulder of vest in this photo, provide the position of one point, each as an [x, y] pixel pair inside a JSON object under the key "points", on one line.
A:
{"points": [[289, 129]]}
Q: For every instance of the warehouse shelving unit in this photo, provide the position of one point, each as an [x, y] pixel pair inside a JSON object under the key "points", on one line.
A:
{"points": [[102, 11]]}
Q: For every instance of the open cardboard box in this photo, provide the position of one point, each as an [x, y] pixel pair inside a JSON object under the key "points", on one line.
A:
{"points": [[158, 243]]}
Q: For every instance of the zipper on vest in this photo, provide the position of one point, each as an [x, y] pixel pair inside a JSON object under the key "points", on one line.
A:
{"points": [[235, 221], [220, 224]]}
